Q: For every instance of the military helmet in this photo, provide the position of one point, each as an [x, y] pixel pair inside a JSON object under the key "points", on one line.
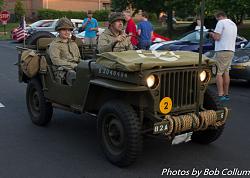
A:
{"points": [[64, 23], [116, 16]]}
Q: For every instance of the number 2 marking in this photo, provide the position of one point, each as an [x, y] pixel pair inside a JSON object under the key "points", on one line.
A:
{"points": [[166, 105], [161, 127]]}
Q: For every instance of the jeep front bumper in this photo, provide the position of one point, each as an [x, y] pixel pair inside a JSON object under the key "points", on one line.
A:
{"points": [[172, 125]]}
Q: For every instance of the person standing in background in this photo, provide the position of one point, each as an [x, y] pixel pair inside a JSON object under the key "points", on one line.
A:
{"points": [[131, 28], [145, 32], [90, 25], [225, 36]]}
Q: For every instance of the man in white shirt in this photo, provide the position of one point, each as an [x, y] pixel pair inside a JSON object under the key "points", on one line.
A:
{"points": [[225, 36]]}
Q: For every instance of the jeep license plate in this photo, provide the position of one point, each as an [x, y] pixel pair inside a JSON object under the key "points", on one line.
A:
{"points": [[160, 127]]}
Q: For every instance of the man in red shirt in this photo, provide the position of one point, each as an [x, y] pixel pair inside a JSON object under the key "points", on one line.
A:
{"points": [[131, 28]]}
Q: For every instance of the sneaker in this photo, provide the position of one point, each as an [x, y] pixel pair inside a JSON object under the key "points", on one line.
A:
{"points": [[227, 97], [222, 98]]}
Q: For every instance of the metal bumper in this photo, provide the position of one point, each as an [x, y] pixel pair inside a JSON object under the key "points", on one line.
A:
{"points": [[172, 125]]}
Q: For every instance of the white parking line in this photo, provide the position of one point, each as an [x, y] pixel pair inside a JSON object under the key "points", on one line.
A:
{"points": [[1, 105]]}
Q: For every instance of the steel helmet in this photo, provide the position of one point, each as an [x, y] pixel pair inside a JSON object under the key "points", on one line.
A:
{"points": [[116, 16], [64, 23]]}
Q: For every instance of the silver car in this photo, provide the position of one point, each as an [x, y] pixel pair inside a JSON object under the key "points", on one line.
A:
{"points": [[49, 25]]}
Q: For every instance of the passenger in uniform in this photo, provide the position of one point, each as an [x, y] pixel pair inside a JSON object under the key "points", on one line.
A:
{"points": [[64, 52], [114, 38]]}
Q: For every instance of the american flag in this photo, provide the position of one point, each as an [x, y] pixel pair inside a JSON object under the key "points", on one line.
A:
{"points": [[21, 32]]}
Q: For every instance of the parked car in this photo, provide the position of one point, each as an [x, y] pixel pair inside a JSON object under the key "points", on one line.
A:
{"points": [[156, 38], [190, 42], [240, 68], [81, 35], [44, 26], [40, 24], [50, 26]]}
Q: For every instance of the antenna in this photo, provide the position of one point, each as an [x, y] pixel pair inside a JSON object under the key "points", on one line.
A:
{"points": [[202, 9]]}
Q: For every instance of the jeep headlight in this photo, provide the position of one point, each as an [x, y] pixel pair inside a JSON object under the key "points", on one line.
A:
{"points": [[203, 76], [152, 81]]}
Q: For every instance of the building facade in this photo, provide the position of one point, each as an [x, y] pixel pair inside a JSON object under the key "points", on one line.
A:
{"points": [[31, 6]]}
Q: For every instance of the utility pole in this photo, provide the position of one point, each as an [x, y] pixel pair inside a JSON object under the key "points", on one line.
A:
{"points": [[202, 9]]}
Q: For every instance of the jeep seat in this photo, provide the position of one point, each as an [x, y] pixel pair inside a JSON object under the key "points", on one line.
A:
{"points": [[43, 43], [85, 50], [42, 46]]}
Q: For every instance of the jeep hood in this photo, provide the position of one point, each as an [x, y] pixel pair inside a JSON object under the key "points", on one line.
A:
{"points": [[137, 60]]}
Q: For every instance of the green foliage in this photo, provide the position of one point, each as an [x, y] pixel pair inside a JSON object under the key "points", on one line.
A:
{"points": [[120, 5], [149, 5], [8, 29], [153, 17], [19, 9], [55, 14], [101, 15], [1, 4], [235, 9]]}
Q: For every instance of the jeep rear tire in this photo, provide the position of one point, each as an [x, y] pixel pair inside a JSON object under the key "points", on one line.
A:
{"points": [[119, 131], [39, 109], [211, 134]]}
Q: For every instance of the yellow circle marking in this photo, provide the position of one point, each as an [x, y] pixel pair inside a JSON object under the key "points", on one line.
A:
{"points": [[166, 105]]}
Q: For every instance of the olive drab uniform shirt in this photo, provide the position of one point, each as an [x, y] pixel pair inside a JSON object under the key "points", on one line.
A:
{"points": [[106, 43], [64, 56], [64, 53]]}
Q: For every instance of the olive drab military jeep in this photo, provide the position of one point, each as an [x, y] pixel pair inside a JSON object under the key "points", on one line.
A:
{"points": [[132, 93]]}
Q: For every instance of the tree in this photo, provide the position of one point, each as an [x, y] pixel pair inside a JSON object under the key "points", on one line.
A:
{"points": [[1, 4], [235, 9], [156, 6], [120, 5], [19, 9]]}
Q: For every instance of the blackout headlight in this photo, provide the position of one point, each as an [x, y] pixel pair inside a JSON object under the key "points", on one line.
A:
{"points": [[152, 81]]}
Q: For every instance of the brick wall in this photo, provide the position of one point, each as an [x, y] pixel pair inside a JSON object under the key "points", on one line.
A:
{"points": [[32, 6], [76, 5]]}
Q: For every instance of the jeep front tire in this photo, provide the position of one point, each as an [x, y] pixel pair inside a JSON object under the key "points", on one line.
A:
{"points": [[39, 109], [211, 134], [119, 131]]}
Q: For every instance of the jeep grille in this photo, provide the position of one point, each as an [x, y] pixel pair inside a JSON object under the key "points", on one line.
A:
{"points": [[181, 86]]}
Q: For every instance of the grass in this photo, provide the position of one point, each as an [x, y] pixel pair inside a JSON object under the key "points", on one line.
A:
{"points": [[9, 27], [179, 30]]}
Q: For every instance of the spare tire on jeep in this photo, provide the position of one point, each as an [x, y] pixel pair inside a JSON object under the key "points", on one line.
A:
{"points": [[32, 39]]}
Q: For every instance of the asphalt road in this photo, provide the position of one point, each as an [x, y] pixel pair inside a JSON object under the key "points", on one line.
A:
{"points": [[68, 147]]}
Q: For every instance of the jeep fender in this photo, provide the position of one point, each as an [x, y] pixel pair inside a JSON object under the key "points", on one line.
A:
{"points": [[103, 90]]}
